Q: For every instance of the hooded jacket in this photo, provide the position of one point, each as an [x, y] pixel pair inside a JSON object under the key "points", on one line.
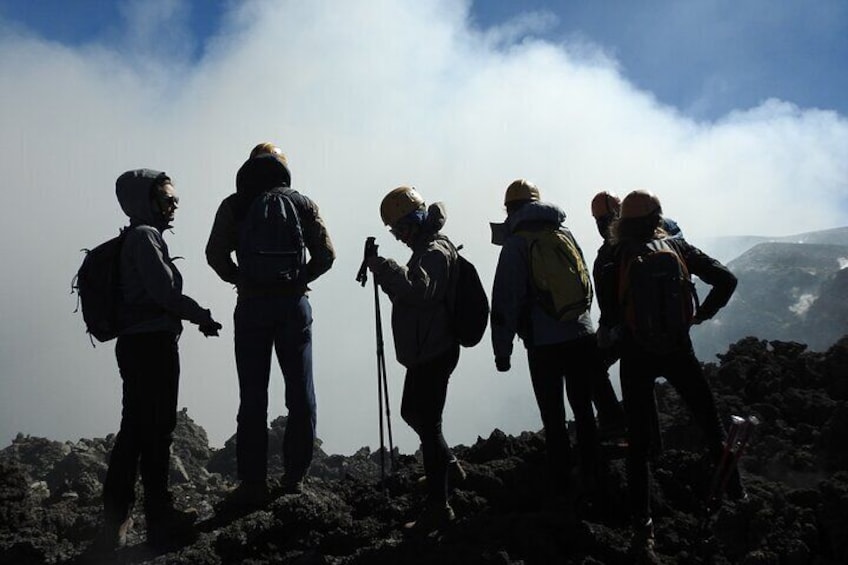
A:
{"points": [[514, 307], [151, 285], [253, 178], [419, 292]]}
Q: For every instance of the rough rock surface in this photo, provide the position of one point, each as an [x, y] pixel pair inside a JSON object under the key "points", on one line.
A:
{"points": [[796, 472]]}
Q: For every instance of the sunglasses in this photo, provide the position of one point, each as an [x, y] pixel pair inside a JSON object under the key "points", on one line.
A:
{"points": [[169, 200]]}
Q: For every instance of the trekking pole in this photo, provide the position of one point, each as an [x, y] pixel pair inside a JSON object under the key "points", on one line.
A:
{"points": [[382, 380], [738, 435]]}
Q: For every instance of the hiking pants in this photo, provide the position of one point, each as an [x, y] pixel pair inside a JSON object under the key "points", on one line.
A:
{"points": [[424, 393], [683, 371], [282, 324], [149, 364], [577, 362]]}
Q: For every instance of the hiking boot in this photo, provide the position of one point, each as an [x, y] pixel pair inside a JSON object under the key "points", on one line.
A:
{"points": [[248, 495], [111, 537], [642, 544], [291, 485], [434, 517], [171, 528]]}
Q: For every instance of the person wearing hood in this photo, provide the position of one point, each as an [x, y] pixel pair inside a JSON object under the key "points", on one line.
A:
{"points": [[424, 340], [275, 316], [150, 315], [556, 349]]}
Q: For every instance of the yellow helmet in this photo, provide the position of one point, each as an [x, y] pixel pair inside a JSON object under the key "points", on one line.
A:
{"points": [[398, 203], [268, 148], [605, 204], [639, 204], [521, 190]]}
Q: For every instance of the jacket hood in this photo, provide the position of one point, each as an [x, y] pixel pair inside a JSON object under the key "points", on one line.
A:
{"points": [[261, 173], [435, 221], [535, 213], [133, 189]]}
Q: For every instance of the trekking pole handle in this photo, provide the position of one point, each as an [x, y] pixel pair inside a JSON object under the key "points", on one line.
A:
{"points": [[370, 251]]}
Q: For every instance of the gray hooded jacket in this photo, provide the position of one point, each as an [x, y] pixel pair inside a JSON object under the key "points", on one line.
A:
{"points": [[151, 285], [419, 292], [514, 308]]}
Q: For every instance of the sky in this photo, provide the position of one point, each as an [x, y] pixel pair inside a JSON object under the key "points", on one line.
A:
{"points": [[732, 112]]}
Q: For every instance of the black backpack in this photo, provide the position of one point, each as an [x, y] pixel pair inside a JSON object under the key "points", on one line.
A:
{"points": [[657, 296], [468, 303], [97, 285], [271, 247]]}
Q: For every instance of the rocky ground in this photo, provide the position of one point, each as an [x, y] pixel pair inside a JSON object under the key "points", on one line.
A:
{"points": [[796, 471]]}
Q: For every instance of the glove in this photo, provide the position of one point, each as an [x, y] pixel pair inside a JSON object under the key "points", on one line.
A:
{"points": [[604, 338], [502, 363], [209, 328], [701, 316]]}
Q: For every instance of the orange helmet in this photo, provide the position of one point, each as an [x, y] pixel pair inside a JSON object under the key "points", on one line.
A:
{"points": [[605, 204], [398, 203], [521, 190], [639, 204]]}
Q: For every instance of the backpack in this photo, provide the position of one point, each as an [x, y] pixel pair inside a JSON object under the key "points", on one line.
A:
{"points": [[468, 304], [657, 296], [271, 248], [97, 284], [558, 273]]}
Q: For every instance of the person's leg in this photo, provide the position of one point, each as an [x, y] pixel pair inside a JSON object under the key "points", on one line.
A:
{"points": [[161, 366], [685, 373], [119, 486], [581, 367], [293, 344], [424, 396], [253, 343], [637, 388], [546, 375]]}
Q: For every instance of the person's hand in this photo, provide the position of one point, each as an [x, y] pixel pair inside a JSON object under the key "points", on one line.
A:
{"points": [[373, 262], [210, 328], [604, 337], [701, 316], [502, 363]]}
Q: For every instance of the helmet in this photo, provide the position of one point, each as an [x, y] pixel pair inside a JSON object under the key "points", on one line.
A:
{"points": [[605, 204], [268, 148], [398, 203], [639, 204], [521, 190]]}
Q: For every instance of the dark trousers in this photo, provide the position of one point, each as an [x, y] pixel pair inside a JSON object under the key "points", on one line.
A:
{"points": [[577, 362], [683, 371], [149, 364], [424, 393], [282, 324]]}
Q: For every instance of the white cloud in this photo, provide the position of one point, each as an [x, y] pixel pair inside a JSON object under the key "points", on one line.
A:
{"points": [[363, 96]]}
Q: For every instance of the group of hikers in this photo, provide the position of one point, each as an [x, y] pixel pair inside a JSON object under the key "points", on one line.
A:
{"points": [[542, 292]]}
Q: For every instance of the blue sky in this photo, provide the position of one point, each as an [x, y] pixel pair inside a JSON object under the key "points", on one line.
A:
{"points": [[730, 112], [706, 58]]}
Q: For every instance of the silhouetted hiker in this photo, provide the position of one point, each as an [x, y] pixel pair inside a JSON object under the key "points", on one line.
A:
{"points": [[423, 337], [652, 313], [605, 209], [558, 346], [270, 227], [148, 359]]}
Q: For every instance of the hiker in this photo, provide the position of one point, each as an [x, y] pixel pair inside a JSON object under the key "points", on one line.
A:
{"points": [[270, 227], [150, 324], [424, 340], [605, 207], [557, 348], [653, 344]]}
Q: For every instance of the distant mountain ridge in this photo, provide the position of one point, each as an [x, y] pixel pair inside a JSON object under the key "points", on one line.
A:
{"points": [[790, 288]]}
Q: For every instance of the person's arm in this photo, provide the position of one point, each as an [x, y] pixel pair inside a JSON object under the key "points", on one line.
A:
{"points": [[317, 239], [426, 282], [222, 242], [157, 277], [721, 280], [509, 298]]}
